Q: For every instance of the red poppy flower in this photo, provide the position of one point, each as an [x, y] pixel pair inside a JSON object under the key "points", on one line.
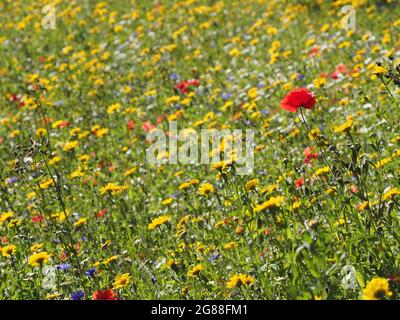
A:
{"points": [[147, 126], [313, 52], [182, 87], [101, 213], [299, 182], [104, 295], [353, 188], [298, 98], [160, 119], [340, 69], [131, 125], [37, 218], [194, 82], [308, 153]]}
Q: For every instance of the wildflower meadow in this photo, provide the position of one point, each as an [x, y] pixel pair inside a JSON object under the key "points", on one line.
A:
{"points": [[199, 149]]}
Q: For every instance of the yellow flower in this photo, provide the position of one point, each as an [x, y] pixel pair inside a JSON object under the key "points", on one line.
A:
{"points": [[6, 216], [377, 289], [114, 107], [167, 201], [130, 171], [110, 259], [319, 82], [187, 184], [122, 281], [252, 184], [36, 247], [45, 184], [390, 193], [112, 188], [272, 202], [158, 222], [172, 263], [38, 259], [322, 171], [231, 245], [80, 221], [7, 251], [195, 270], [345, 127], [269, 188], [206, 188], [238, 280], [71, 145], [379, 70], [54, 160], [41, 132]]}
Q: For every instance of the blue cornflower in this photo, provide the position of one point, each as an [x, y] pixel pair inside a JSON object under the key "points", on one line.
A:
{"points": [[90, 272], [77, 295], [63, 267]]}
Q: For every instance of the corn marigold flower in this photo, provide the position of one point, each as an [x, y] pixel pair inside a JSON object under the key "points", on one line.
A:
{"points": [[80, 222], [189, 183], [158, 222], [390, 193], [252, 184], [238, 280], [298, 98], [206, 189], [38, 259], [41, 132], [231, 245], [379, 70], [122, 281], [273, 202], [71, 145], [8, 250], [104, 295], [112, 188], [345, 127], [167, 201], [195, 271], [377, 289], [111, 259], [6, 216]]}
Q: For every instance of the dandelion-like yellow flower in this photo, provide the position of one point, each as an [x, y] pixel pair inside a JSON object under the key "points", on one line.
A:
{"points": [[206, 189], [71, 145], [110, 259], [345, 127], [195, 271], [158, 222], [390, 193], [112, 188], [8, 251], [6, 216], [252, 184], [38, 259], [122, 281], [273, 202], [379, 70], [377, 289], [238, 280]]}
